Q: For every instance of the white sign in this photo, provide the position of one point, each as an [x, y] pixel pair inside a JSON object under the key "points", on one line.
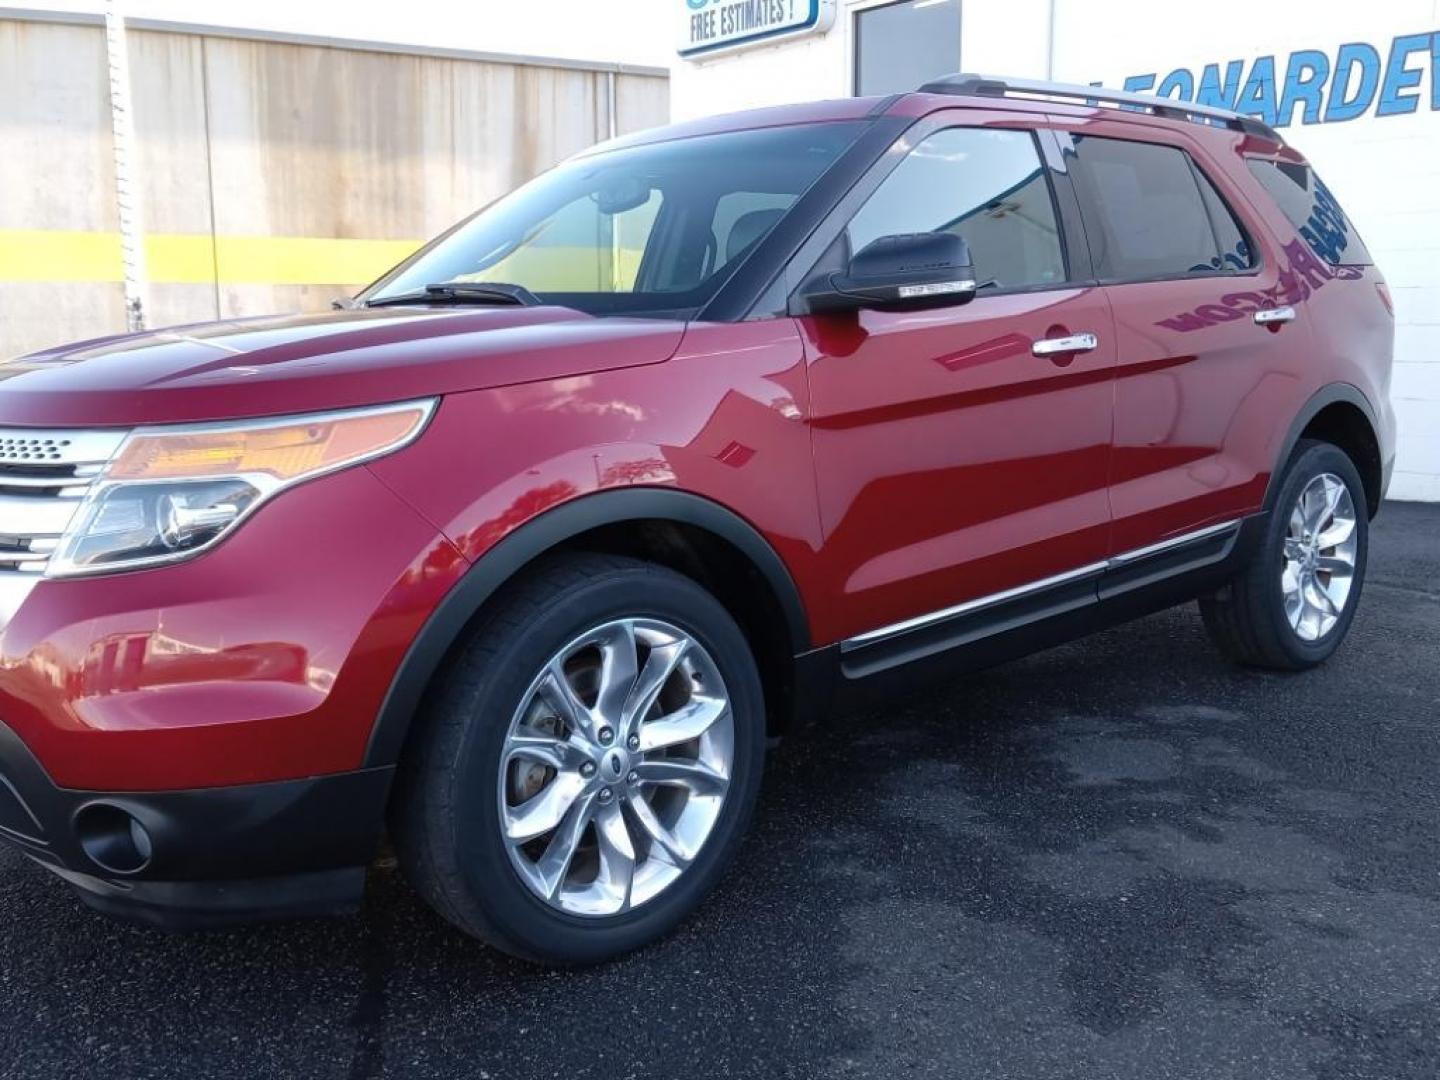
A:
{"points": [[710, 25]]}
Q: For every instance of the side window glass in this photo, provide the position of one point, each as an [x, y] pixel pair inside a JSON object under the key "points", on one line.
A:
{"points": [[1313, 210], [986, 184], [1152, 221], [1236, 253]]}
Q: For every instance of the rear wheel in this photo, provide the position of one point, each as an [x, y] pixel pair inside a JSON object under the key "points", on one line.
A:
{"points": [[1292, 604], [586, 771]]}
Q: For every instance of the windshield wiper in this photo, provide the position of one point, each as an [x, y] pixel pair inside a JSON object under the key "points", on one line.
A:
{"points": [[499, 293]]}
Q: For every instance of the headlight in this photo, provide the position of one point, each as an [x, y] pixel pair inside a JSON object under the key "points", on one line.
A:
{"points": [[171, 492]]}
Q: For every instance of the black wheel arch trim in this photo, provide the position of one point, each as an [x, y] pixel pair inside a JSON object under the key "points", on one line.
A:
{"points": [[1331, 394], [531, 540]]}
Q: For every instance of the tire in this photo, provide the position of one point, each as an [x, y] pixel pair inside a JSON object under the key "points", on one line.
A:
{"points": [[1250, 618], [453, 805]]}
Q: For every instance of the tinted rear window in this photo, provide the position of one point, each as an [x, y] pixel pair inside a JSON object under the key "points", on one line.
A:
{"points": [[1158, 216], [1313, 210]]}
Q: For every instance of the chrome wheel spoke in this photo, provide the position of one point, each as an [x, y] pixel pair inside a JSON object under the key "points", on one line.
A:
{"points": [[616, 849], [660, 665], [619, 666], [1297, 517], [1334, 490], [1334, 566], [1294, 609], [1290, 579], [676, 853], [1319, 599], [1339, 531], [543, 811], [556, 753], [692, 775], [550, 868], [557, 693], [686, 723], [1317, 506]]}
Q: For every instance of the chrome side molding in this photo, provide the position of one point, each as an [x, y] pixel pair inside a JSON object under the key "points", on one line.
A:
{"points": [[1127, 558], [1173, 542], [978, 604]]}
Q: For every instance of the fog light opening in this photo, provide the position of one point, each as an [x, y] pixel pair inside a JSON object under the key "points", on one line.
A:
{"points": [[113, 838]]}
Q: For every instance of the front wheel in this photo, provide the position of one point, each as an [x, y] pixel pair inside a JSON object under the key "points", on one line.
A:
{"points": [[1291, 605], [587, 769]]}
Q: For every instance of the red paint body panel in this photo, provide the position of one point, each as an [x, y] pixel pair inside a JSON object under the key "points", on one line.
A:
{"points": [[266, 659], [723, 418], [310, 363], [950, 462]]}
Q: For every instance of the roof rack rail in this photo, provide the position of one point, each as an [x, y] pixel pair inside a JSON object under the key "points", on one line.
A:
{"points": [[1170, 108]]}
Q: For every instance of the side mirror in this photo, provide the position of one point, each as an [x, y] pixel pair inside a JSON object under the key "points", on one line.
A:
{"points": [[900, 273]]}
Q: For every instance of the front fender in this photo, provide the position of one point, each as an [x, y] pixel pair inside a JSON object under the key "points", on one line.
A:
{"points": [[713, 438], [531, 540]]}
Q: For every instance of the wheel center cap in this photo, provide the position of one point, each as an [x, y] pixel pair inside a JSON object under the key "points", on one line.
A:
{"points": [[614, 764]]}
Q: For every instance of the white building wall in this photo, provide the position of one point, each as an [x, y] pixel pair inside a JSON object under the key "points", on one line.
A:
{"points": [[1384, 169]]}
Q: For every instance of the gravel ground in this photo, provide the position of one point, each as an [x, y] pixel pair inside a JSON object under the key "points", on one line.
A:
{"points": [[1120, 858]]}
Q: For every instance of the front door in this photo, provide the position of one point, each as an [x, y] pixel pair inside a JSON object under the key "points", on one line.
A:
{"points": [[960, 453]]}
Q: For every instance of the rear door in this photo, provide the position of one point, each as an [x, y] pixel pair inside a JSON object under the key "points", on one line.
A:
{"points": [[957, 461], [1200, 355]]}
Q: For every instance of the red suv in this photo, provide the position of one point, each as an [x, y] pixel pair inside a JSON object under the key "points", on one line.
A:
{"points": [[524, 554]]}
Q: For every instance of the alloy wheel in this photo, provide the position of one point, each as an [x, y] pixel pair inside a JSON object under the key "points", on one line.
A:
{"points": [[1319, 557], [615, 767]]}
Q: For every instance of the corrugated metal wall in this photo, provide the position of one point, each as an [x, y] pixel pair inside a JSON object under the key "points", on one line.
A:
{"points": [[272, 175]]}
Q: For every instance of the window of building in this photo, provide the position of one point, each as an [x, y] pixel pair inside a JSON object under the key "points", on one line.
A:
{"points": [[985, 184], [1313, 210], [1152, 215], [899, 46]]}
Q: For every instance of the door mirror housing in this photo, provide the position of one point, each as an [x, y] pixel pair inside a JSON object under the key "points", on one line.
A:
{"points": [[905, 272]]}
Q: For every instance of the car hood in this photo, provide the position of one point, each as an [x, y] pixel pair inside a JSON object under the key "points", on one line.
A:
{"points": [[305, 363]]}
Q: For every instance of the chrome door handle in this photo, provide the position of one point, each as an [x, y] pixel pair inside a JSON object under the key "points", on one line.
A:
{"points": [[1055, 346], [1271, 316]]}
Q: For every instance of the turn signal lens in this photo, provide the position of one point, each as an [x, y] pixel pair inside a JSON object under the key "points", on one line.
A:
{"points": [[171, 493], [285, 452]]}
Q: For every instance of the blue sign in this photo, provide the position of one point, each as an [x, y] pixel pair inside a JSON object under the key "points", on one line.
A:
{"points": [[710, 25], [1319, 87]]}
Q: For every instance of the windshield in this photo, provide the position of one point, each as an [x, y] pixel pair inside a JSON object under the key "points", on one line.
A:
{"points": [[648, 229]]}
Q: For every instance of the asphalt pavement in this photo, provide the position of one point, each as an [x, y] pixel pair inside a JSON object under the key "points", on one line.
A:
{"points": [[1119, 858]]}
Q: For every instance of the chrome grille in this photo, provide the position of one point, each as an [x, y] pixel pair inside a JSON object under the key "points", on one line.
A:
{"points": [[43, 478]]}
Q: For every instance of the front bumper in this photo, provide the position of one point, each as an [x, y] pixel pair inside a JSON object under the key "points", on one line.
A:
{"points": [[201, 857]]}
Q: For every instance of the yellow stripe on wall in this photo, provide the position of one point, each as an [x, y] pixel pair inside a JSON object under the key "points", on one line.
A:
{"points": [[28, 255], [56, 255]]}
